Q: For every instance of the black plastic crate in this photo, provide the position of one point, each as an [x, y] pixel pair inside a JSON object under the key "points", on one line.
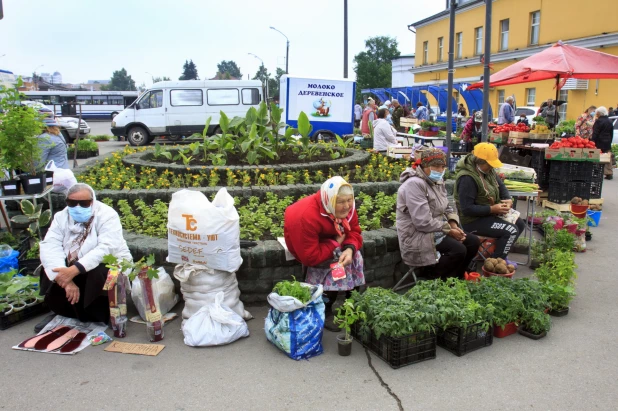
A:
{"points": [[461, 341], [400, 351], [563, 191], [27, 267], [7, 321], [576, 171]]}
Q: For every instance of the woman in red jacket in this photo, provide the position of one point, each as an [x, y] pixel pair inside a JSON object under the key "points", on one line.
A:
{"points": [[321, 230]]}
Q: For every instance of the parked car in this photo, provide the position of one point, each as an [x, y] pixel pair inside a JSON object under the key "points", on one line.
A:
{"points": [[530, 113], [68, 125]]}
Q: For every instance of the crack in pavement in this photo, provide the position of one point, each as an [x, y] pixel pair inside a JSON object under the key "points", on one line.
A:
{"points": [[385, 385]]}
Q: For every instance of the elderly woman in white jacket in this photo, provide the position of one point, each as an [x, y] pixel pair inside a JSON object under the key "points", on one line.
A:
{"points": [[72, 256], [384, 135]]}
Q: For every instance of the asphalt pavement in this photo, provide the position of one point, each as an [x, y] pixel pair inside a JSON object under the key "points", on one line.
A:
{"points": [[574, 368]]}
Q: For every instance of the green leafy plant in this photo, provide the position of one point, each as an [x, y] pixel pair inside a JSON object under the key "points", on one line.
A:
{"points": [[132, 268], [16, 288], [567, 126], [35, 218], [19, 127], [497, 295], [559, 270], [536, 322], [83, 145], [293, 289], [347, 315], [559, 296]]}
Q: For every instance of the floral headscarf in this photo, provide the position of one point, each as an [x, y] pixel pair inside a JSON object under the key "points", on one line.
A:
{"points": [[328, 194]]}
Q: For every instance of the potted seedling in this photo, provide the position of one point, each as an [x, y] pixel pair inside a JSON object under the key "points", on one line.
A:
{"points": [[346, 316], [535, 324], [34, 218]]}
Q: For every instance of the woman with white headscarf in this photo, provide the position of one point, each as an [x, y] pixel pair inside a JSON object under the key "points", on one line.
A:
{"points": [[72, 256], [321, 230]]}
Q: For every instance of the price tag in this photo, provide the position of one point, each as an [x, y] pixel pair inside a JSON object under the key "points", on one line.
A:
{"points": [[153, 317], [34, 181], [10, 187], [114, 312]]}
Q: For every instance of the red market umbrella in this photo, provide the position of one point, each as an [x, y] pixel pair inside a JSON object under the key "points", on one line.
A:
{"points": [[560, 61]]}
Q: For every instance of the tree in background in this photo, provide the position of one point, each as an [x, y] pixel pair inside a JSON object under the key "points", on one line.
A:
{"points": [[164, 78], [229, 67], [273, 83], [373, 66], [189, 71], [120, 81], [264, 76]]}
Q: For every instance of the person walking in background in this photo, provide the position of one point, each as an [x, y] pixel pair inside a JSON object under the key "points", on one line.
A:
{"points": [[53, 145], [358, 114], [507, 113], [397, 114], [584, 123], [422, 113], [368, 116], [602, 134], [550, 114]]}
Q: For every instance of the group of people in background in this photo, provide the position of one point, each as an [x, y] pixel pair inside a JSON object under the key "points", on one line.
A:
{"points": [[595, 124]]}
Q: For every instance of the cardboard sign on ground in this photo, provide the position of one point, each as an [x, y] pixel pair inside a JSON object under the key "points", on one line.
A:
{"points": [[132, 348]]}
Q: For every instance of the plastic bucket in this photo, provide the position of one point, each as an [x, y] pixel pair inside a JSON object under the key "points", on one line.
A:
{"points": [[595, 216], [579, 211]]}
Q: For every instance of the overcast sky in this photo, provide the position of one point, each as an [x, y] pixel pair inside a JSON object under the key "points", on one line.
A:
{"points": [[89, 39]]}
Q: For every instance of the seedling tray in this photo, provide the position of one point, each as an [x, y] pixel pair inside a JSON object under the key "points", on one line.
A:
{"points": [[461, 341], [399, 351], [8, 321]]}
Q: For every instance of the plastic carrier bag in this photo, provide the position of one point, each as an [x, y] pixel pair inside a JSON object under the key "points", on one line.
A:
{"points": [[214, 324], [63, 178], [9, 261], [296, 328], [164, 289], [204, 233]]}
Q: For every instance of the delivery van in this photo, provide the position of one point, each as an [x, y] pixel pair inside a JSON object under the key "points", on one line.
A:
{"points": [[329, 104], [181, 108]]}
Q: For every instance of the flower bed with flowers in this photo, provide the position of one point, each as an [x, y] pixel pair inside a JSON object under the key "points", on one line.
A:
{"points": [[113, 174]]}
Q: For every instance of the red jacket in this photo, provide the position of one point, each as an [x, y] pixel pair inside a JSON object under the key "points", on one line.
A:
{"points": [[310, 234]]}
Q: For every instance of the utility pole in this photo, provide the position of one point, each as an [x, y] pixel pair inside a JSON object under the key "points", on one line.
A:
{"points": [[345, 38], [451, 63], [488, 5]]}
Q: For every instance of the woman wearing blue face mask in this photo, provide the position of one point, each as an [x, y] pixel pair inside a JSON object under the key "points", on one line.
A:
{"points": [[427, 226], [72, 256]]}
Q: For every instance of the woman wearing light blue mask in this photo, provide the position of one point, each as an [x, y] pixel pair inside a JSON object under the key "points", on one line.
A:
{"points": [[72, 256], [427, 226]]}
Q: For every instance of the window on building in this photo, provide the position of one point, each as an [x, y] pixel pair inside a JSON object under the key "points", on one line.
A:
{"points": [[222, 97], [504, 35], [535, 27], [530, 96], [459, 45], [186, 98], [500, 99], [250, 96], [425, 52], [440, 48], [562, 109], [478, 41]]}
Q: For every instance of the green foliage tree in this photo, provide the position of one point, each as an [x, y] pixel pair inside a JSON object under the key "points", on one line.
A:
{"points": [[164, 78], [273, 83], [373, 66], [120, 81], [229, 67], [189, 71], [262, 74]]}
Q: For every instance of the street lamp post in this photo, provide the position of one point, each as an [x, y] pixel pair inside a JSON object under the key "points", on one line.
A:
{"points": [[151, 76], [251, 54], [34, 77], [287, 48]]}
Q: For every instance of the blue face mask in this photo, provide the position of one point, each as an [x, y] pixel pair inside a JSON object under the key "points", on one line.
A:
{"points": [[80, 214], [436, 176]]}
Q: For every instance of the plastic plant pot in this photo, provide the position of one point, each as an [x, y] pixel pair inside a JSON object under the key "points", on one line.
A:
{"points": [[344, 346], [530, 335], [509, 329], [559, 312]]}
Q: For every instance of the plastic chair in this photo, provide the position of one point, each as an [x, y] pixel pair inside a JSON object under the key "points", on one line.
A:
{"points": [[401, 284], [486, 248]]}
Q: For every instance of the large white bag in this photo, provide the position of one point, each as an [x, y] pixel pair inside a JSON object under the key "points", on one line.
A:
{"points": [[204, 233], [63, 178], [162, 286], [199, 286], [214, 324]]}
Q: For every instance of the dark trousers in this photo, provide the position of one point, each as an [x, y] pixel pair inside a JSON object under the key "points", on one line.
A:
{"points": [[494, 227], [332, 297], [93, 304], [455, 256]]}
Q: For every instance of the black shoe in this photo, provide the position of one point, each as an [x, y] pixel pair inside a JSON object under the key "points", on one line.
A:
{"points": [[609, 177], [43, 323]]}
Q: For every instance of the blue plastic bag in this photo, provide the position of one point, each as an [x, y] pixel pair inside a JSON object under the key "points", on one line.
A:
{"points": [[298, 333], [9, 263]]}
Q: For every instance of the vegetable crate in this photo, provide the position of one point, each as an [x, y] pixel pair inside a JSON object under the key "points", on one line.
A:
{"points": [[461, 341], [7, 321], [563, 191], [366, 143], [576, 171], [399, 351]]}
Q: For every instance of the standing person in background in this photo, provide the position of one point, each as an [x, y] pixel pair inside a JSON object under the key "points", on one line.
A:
{"points": [[523, 119], [610, 111], [584, 123], [473, 129], [368, 116], [462, 110], [53, 146], [387, 106], [397, 114], [358, 114], [602, 134], [550, 114], [507, 113], [616, 112], [421, 112]]}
